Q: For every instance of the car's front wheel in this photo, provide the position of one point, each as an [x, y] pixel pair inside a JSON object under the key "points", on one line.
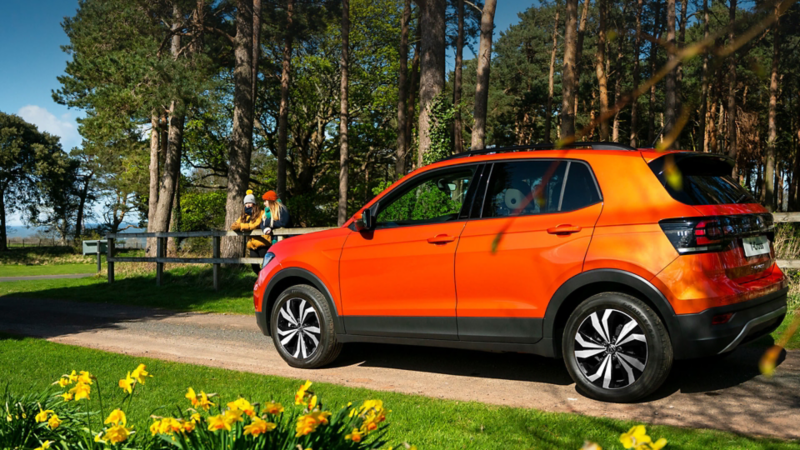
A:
{"points": [[302, 328], [616, 348]]}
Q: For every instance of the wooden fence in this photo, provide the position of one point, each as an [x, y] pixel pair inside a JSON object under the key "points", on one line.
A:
{"points": [[216, 237], [787, 217]]}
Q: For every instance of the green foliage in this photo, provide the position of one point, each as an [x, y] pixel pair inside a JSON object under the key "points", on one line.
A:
{"points": [[441, 114], [201, 211]]}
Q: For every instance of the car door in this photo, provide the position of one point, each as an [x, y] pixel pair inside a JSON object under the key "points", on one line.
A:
{"points": [[397, 279], [532, 234]]}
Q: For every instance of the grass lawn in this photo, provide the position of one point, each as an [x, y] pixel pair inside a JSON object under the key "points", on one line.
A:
{"points": [[32, 364], [16, 270]]}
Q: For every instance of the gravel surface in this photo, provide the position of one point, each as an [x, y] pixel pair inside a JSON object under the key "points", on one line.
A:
{"points": [[722, 393], [47, 277]]}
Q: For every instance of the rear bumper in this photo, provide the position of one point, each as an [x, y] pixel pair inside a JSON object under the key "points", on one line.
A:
{"points": [[693, 335], [261, 320]]}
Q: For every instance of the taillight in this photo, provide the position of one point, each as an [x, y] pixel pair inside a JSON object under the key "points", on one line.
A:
{"points": [[713, 234]]}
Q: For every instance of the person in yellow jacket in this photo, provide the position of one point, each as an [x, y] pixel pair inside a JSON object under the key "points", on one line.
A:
{"points": [[251, 220]]}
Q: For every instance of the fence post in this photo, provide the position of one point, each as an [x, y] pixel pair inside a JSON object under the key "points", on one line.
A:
{"points": [[215, 251], [109, 258], [159, 255]]}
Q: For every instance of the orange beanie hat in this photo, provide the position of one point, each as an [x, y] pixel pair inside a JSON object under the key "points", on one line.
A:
{"points": [[270, 196]]}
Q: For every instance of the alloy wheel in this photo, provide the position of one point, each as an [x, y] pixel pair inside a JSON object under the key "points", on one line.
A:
{"points": [[298, 328], [610, 349]]}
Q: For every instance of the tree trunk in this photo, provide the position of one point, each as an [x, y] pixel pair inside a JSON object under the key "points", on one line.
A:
{"points": [[413, 95], [773, 106], [458, 126], [256, 48], [618, 75], [402, 95], [732, 150], [343, 114], [482, 83], [579, 54], [681, 44], [600, 69], [431, 77], [3, 234], [153, 200], [651, 113], [283, 113], [704, 84], [636, 52], [670, 94], [548, 115], [568, 82], [242, 135], [82, 195]]}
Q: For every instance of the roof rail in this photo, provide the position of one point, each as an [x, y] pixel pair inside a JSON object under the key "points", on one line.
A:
{"points": [[532, 147]]}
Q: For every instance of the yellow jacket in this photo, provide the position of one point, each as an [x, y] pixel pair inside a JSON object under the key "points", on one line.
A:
{"points": [[250, 223]]}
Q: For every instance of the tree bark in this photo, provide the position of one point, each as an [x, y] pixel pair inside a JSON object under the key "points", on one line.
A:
{"points": [[153, 200], [773, 107], [618, 75], [403, 94], [283, 113], [732, 150], [458, 126], [670, 94], [548, 115], [482, 83], [432, 63], [413, 94], [242, 135], [636, 53], [568, 76], [600, 68], [579, 54], [681, 44], [256, 48], [343, 114], [82, 195], [3, 234], [651, 113], [704, 85]]}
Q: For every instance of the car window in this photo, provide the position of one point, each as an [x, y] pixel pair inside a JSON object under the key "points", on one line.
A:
{"points": [[433, 198], [581, 190], [524, 188]]}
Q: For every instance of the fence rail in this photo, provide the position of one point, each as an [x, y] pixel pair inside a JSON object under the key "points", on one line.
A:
{"points": [[216, 238]]}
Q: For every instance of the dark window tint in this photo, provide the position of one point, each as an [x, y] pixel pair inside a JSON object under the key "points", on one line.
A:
{"points": [[524, 188], [430, 198], [699, 180], [581, 190]]}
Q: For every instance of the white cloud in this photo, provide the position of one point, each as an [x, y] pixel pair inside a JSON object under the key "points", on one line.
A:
{"points": [[66, 128]]}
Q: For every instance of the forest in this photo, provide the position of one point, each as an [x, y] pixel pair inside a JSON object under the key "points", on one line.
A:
{"points": [[189, 103]]}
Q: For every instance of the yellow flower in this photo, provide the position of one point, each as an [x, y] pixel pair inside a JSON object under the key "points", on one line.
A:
{"points": [[117, 417], [126, 384], [81, 391], [300, 395], [188, 427], [140, 374], [587, 445], [242, 405], [372, 413], [191, 396], [635, 438], [196, 417], [45, 445], [273, 408], [63, 381], [659, 444], [233, 415], [99, 437], [170, 425], [73, 377], [9, 418], [218, 422], [203, 402], [85, 377], [259, 427], [312, 402], [54, 422], [355, 436], [66, 396], [155, 426], [117, 434], [308, 423], [43, 415]]}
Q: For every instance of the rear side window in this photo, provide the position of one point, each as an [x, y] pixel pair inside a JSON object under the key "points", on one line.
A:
{"points": [[581, 189], [699, 179], [524, 188]]}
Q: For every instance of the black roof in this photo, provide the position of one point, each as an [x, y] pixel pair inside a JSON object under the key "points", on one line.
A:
{"points": [[533, 147]]}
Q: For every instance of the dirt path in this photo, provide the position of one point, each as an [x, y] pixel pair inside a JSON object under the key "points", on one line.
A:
{"points": [[727, 394], [47, 277]]}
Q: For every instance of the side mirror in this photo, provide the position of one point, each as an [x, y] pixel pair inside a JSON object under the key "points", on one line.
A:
{"points": [[364, 221]]}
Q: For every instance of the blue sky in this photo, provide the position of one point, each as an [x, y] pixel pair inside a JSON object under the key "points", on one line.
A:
{"points": [[32, 59]]}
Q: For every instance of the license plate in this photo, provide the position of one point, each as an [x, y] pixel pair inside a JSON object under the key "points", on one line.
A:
{"points": [[755, 245]]}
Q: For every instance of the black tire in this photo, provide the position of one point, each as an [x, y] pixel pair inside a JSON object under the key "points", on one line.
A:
{"points": [[632, 363], [302, 328]]}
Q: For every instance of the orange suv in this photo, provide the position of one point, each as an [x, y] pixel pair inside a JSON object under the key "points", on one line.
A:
{"points": [[618, 260]]}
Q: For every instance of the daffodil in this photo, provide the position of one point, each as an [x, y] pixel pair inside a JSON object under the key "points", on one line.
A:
{"points": [[45, 445], [204, 402], [300, 395], [63, 381], [155, 426], [80, 391], [99, 437], [273, 408], [66, 396], [191, 396], [233, 415], [196, 417], [259, 426], [308, 423], [635, 438], [140, 374], [355, 436], [242, 405], [170, 425], [659, 444], [588, 445], [85, 377], [218, 422], [73, 377], [126, 384], [54, 422], [188, 426], [43, 415], [117, 434], [117, 417]]}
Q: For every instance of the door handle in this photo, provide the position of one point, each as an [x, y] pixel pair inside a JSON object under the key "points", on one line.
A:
{"points": [[564, 229], [441, 239]]}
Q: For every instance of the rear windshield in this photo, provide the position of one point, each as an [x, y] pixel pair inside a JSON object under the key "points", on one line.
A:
{"points": [[700, 179]]}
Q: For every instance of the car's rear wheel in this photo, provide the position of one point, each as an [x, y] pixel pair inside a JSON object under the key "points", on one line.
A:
{"points": [[302, 328], [616, 348]]}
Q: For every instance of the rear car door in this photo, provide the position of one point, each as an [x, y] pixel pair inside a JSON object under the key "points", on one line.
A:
{"points": [[529, 236], [397, 279]]}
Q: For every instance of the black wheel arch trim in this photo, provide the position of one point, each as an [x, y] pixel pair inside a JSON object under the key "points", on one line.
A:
{"points": [[310, 278], [628, 279]]}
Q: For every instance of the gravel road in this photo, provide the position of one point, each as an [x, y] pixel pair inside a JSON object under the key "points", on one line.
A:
{"points": [[727, 393], [47, 277]]}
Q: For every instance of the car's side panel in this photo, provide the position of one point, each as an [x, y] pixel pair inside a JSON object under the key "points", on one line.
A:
{"points": [[640, 249]]}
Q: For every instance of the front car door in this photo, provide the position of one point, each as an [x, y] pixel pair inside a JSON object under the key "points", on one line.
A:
{"points": [[530, 235], [398, 279]]}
